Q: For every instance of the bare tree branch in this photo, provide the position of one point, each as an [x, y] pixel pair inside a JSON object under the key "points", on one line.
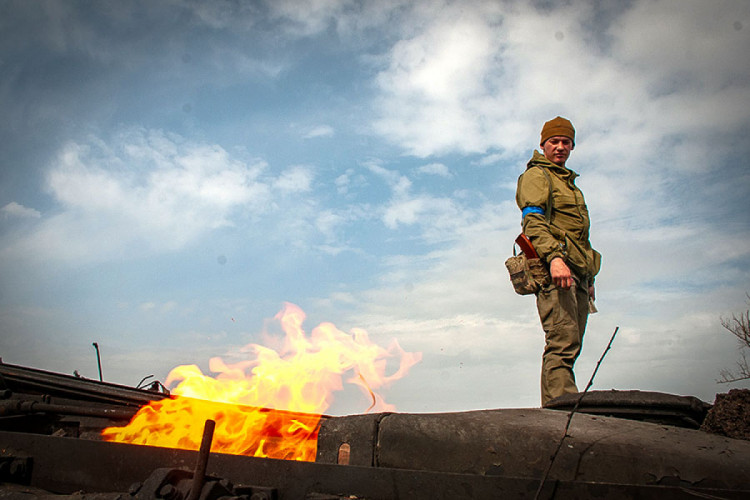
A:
{"points": [[739, 326]]}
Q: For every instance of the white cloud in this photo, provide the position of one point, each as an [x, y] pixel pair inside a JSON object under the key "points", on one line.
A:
{"points": [[680, 44], [145, 192], [307, 19], [295, 179], [399, 184], [438, 169], [16, 210], [405, 212], [485, 77], [527, 65], [342, 182], [436, 216], [320, 131], [348, 17], [430, 89], [328, 222]]}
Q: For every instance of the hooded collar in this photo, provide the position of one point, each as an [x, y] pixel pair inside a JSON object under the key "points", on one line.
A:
{"points": [[539, 160]]}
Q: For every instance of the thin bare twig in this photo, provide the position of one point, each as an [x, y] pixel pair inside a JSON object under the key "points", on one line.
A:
{"points": [[572, 412], [739, 326]]}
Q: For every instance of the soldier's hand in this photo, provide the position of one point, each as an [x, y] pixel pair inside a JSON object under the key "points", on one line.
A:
{"points": [[560, 272]]}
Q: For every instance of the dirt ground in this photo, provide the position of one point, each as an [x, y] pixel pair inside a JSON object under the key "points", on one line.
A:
{"points": [[730, 415]]}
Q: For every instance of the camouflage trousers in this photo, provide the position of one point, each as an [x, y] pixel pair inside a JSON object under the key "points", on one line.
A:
{"points": [[563, 314]]}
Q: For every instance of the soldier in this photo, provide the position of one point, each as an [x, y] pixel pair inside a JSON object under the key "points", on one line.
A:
{"points": [[556, 220]]}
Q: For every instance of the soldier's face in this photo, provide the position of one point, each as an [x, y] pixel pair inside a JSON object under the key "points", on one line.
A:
{"points": [[557, 149]]}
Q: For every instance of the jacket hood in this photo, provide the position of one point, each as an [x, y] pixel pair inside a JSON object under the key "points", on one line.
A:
{"points": [[539, 160]]}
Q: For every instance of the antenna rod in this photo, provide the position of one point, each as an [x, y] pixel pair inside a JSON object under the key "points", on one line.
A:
{"points": [[98, 361], [570, 415]]}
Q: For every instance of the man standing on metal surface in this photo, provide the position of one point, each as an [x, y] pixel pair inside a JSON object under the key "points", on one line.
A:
{"points": [[556, 220]]}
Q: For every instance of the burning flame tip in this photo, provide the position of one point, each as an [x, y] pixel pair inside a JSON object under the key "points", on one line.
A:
{"points": [[269, 406]]}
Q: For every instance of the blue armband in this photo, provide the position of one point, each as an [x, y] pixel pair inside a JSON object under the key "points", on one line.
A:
{"points": [[531, 210]]}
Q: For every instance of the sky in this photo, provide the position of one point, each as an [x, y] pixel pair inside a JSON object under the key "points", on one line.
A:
{"points": [[172, 173]]}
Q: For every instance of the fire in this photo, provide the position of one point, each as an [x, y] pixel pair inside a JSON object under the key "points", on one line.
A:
{"points": [[270, 405]]}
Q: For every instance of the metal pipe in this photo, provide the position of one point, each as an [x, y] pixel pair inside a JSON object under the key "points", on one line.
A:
{"points": [[98, 361], [199, 476], [23, 407]]}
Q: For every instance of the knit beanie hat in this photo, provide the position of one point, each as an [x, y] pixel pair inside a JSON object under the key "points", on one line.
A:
{"points": [[558, 126]]}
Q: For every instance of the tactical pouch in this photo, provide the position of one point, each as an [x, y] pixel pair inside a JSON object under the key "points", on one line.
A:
{"points": [[527, 275]]}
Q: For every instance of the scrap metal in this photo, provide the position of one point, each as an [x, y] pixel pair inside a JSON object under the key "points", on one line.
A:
{"points": [[50, 449]]}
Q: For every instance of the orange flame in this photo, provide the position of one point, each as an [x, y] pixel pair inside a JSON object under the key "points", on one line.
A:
{"points": [[297, 382]]}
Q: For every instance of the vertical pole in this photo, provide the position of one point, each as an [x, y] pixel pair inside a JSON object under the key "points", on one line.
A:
{"points": [[199, 475], [98, 361]]}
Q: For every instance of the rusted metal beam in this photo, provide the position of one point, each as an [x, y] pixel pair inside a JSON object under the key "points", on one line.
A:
{"points": [[19, 379], [25, 407]]}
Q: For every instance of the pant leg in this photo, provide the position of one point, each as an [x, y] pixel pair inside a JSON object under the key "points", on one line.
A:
{"points": [[563, 314]]}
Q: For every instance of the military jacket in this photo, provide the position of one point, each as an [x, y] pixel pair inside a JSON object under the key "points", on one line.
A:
{"points": [[555, 216]]}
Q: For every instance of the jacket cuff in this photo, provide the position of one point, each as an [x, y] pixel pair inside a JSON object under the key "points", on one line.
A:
{"points": [[554, 255]]}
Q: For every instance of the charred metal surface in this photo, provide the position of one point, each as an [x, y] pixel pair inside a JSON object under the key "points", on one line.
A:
{"points": [[655, 407], [40, 402], [15, 469], [519, 443], [178, 484], [26, 407], [67, 467], [19, 379], [359, 432]]}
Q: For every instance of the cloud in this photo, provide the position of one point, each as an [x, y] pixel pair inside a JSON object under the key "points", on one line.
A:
{"points": [[15, 210], [327, 222], [462, 83], [438, 169], [682, 52], [342, 182], [349, 18], [482, 79], [437, 220], [296, 179], [320, 131], [161, 308], [430, 88], [145, 191], [313, 18], [223, 15]]}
